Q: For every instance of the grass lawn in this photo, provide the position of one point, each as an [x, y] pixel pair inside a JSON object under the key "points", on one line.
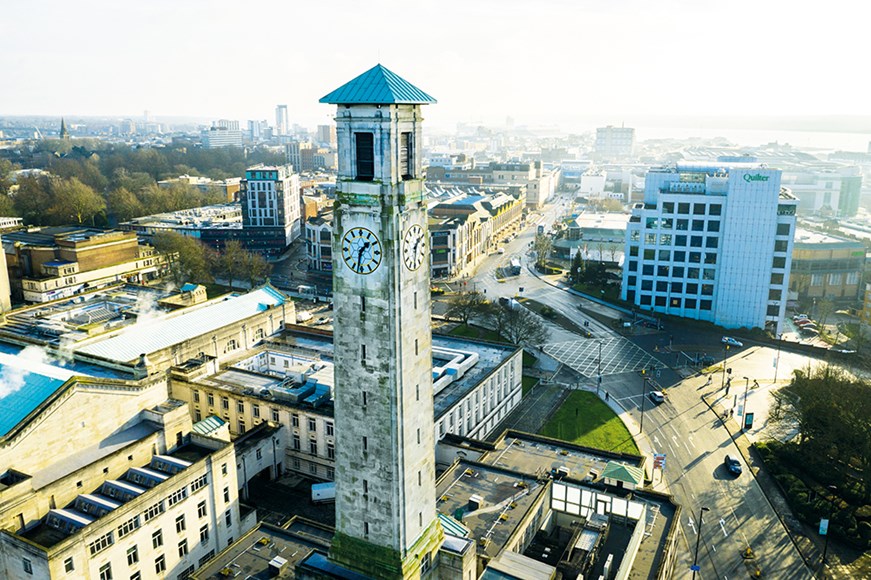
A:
{"points": [[528, 383], [470, 331], [529, 359], [585, 420]]}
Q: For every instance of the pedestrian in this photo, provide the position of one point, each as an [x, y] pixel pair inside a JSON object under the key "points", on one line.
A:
{"points": [[607, 396], [731, 411]]}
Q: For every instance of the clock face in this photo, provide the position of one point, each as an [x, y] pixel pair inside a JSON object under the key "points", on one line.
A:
{"points": [[361, 250], [413, 247]]}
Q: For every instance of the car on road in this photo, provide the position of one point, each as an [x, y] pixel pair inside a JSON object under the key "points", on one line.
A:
{"points": [[731, 341], [707, 360], [732, 465], [656, 396], [323, 320]]}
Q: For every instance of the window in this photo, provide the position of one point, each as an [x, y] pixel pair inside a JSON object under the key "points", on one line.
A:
{"points": [[693, 273], [128, 526], [682, 224], [331, 473], [406, 156], [710, 258], [633, 265], [160, 564], [275, 415], [187, 572], [225, 402], [647, 270], [196, 396], [69, 566], [695, 257], [101, 543], [668, 207], [780, 245], [365, 444], [647, 284], [106, 572], [255, 410], [683, 208], [664, 255], [649, 239], [835, 279], [712, 242], [177, 496], [179, 524], [633, 251], [296, 443], [241, 427], [157, 539], [28, 566], [662, 270], [313, 468], [226, 495], [312, 425], [294, 420], [228, 518], [690, 303], [634, 235], [708, 273], [773, 310], [707, 289], [696, 241], [136, 575], [199, 483], [329, 425], [365, 528], [182, 548], [783, 229], [665, 239], [692, 288], [662, 286], [777, 279], [677, 271], [240, 407], [699, 209], [660, 301], [779, 262], [204, 534], [680, 241], [364, 145], [680, 256], [706, 304], [259, 453], [649, 254], [677, 287], [852, 278], [211, 399], [698, 225], [715, 209], [209, 555], [313, 447], [201, 509], [132, 555], [363, 352], [713, 226], [331, 451], [223, 469]]}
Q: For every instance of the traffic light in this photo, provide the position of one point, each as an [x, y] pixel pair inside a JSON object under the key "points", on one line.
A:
{"points": [[729, 370]]}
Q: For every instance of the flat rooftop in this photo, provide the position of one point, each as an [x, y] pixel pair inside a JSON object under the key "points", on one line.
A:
{"points": [[249, 557], [153, 335], [81, 316], [503, 500], [228, 215], [809, 238], [318, 348], [533, 454]]}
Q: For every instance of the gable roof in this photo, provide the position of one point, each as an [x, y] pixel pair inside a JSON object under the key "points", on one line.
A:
{"points": [[377, 86]]}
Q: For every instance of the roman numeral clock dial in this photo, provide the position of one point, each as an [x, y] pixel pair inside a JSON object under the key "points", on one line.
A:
{"points": [[361, 250], [413, 247]]}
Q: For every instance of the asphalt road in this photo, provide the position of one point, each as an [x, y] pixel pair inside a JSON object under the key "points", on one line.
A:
{"points": [[684, 428]]}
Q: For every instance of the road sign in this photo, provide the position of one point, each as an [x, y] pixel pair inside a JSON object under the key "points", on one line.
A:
{"points": [[659, 461], [748, 420], [824, 526], [695, 568]]}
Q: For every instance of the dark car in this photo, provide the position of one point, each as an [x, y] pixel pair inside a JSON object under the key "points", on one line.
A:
{"points": [[733, 465]]}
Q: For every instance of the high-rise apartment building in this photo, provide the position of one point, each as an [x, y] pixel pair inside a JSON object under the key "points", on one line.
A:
{"points": [[615, 142], [327, 135], [281, 119], [712, 242], [270, 208]]}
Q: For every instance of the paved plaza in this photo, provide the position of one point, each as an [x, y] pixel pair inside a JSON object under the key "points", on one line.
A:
{"points": [[618, 356]]}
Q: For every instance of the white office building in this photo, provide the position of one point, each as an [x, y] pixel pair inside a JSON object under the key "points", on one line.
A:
{"points": [[712, 242]]}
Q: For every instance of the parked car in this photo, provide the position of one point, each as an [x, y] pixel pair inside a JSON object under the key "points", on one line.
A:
{"points": [[731, 341], [656, 396], [803, 322], [797, 316], [733, 465], [809, 332]]}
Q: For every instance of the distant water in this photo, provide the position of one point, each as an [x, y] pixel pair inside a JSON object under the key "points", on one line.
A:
{"points": [[805, 140]]}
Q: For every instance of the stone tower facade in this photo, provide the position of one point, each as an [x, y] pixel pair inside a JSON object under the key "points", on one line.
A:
{"points": [[386, 521]]}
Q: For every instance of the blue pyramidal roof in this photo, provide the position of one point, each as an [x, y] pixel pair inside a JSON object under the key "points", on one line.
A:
{"points": [[378, 86]]}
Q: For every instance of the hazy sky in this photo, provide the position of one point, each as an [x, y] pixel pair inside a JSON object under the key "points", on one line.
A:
{"points": [[537, 60]]}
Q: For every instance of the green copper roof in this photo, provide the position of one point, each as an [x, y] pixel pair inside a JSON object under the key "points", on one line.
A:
{"points": [[378, 86], [622, 472]]}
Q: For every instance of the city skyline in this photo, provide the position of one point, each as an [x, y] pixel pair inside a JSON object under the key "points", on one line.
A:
{"points": [[487, 61]]}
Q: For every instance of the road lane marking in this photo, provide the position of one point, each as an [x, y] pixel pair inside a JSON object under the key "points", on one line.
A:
{"points": [[692, 525], [723, 527], [691, 441]]}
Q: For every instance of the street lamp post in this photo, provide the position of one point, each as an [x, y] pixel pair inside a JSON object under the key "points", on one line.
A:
{"points": [[698, 539], [832, 489], [725, 351], [643, 397], [777, 360], [599, 377]]}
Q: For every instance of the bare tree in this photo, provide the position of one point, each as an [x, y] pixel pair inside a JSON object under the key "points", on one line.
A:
{"points": [[516, 324], [466, 305]]}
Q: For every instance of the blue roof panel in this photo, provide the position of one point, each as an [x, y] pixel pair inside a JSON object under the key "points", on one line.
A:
{"points": [[378, 86], [22, 394]]}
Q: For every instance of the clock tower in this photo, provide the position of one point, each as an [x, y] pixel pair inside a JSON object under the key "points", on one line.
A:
{"points": [[386, 522]]}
